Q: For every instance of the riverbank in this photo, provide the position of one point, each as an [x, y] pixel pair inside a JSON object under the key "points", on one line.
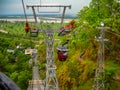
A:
{"points": [[45, 20]]}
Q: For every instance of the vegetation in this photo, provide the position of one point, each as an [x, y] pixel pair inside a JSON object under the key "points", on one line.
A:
{"points": [[15, 64], [78, 71]]}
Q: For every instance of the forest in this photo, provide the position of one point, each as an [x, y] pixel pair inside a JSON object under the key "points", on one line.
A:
{"points": [[78, 71]]}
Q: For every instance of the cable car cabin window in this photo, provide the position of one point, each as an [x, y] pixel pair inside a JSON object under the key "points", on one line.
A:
{"points": [[62, 53], [64, 31], [6, 83], [33, 32], [67, 30]]}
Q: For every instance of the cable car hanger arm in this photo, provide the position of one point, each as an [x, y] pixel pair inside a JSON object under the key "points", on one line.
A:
{"points": [[24, 10], [69, 6], [34, 14], [63, 13]]}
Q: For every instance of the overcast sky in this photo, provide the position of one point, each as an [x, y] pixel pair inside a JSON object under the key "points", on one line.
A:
{"points": [[15, 6]]}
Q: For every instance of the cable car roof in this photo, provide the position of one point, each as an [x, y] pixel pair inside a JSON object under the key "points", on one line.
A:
{"points": [[62, 48]]}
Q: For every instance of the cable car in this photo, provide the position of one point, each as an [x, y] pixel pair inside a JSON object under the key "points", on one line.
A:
{"points": [[62, 52], [33, 32], [67, 28], [6, 83]]}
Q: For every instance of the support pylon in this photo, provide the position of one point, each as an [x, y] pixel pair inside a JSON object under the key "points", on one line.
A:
{"points": [[99, 74], [51, 80]]}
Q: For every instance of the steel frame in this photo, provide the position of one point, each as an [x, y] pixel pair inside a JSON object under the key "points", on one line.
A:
{"points": [[51, 82], [99, 74]]}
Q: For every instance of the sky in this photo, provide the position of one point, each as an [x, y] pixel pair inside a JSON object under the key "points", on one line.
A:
{"points": [[15, 6]]}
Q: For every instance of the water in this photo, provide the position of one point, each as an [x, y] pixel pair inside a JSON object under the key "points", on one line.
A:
{"points": [[38, 15]]}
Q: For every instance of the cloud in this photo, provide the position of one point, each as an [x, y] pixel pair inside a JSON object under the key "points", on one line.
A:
{"points": [[15, 6]]}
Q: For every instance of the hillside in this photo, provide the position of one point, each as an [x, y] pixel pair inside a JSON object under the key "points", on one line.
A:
{"points": [[79, 70]]}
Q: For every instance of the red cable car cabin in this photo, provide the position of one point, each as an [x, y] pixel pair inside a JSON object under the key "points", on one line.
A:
{"points": [[33, 31], [68, 27], [62, 52]]}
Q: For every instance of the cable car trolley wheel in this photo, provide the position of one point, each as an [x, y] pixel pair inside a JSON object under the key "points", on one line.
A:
{"points": [[62, 52]]}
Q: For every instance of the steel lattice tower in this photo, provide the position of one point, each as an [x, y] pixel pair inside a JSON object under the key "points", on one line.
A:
{"points": [[51, 80], [99, 74]]}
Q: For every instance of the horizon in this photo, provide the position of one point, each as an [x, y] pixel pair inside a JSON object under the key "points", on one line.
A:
{"points": [[38, 15]]}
